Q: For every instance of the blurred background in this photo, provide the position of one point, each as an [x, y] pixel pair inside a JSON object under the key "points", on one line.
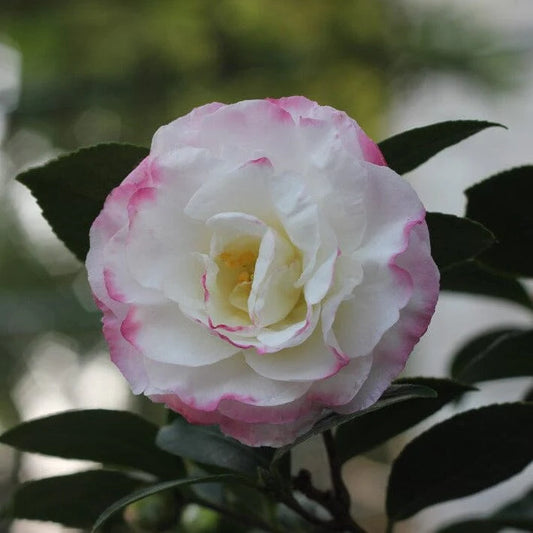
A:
{"points": [[78, 73]]}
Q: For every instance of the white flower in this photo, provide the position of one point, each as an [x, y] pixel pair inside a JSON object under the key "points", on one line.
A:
{"points": [[261, 267]]}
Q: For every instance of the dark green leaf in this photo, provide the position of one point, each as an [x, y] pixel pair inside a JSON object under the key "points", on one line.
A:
{"points": [[207, 445], [394, 394], [72, 188], [154, 489], [473, 278], [408, 150], [502, 204], [75, 500], [460, 456], [455, 239], [365, 432], [495, 355], [517, 514], [111, 437], [472, 526]]}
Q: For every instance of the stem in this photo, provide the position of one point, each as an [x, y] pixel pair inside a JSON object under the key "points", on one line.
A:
{"points": [[340, 506], [339, 488]]}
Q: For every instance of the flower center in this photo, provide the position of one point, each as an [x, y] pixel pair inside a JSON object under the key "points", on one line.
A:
{"points": [[237, 267], [243, 262]]}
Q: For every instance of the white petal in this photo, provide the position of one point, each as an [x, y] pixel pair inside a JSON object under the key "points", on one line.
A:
{"points": [[299, 216], [242, 190]]}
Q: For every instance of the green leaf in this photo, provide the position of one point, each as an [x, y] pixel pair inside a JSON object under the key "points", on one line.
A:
{"points": [[455, 239], [460, 456], [397, 392], [528, 396], [475, 525], [207, 445], [406, 151], [75, 500], [366, 432], [111, 437], [473, 278], [154, 489], [502, 204], [518, 513], [71, 189], [504, 353]]}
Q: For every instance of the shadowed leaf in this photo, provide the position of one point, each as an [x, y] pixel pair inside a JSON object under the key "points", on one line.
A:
{"points": [[460, 456], [365, 432], [71, 189], [111, 437]]}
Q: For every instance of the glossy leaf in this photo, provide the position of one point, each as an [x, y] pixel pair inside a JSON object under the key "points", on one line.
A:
{"points": [[502, 203], [455, 239], [472, 277], [460, 456], [397, 392], [154, 489], [208, 446], [111, 437], [74, 500], [499, 354], [365, 432], [71, 189], [406, 151]]}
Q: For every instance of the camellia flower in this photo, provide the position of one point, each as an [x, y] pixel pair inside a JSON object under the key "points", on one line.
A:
{"points": [[261, 268]]}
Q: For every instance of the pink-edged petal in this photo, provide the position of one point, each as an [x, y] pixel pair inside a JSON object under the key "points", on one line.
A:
{"points": [[182, 131], [311, 360], [294, 330], [373, 307], [120, 284], [125, 356], [274, 435], [390, 355], [341, 388], [164, 334], [111, 219], [203, 388]]}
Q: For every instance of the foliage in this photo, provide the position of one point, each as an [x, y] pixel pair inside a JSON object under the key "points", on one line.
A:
{"points": [[198, 465]]}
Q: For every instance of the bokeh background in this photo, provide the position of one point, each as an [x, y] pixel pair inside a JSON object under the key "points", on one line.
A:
{"points": [[75, 73]]}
